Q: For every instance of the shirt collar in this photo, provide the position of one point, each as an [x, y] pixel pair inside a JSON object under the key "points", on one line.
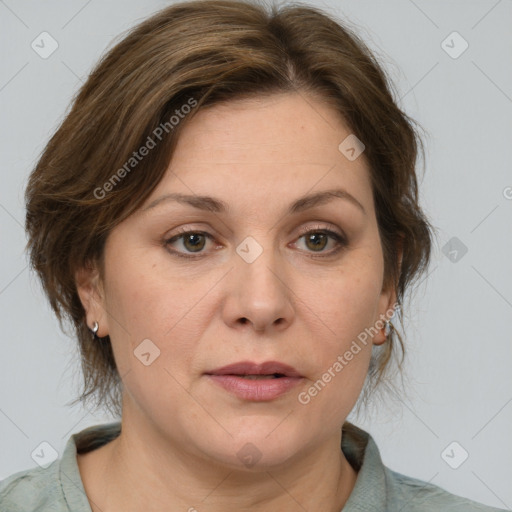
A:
{"points": [[69, 474], [370, 491]]}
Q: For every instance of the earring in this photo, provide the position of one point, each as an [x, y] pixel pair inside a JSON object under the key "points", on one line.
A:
{"points": [[94, 330], [387, 328]]}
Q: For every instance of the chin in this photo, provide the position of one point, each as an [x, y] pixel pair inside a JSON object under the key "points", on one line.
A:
{"points": [[256, 444]]}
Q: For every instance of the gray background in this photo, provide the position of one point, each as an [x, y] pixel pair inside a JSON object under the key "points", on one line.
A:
{"points": [[458, 378]]}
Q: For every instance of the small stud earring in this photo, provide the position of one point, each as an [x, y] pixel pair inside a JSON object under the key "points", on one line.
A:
{"points": [[94, 330], [387, 328]]}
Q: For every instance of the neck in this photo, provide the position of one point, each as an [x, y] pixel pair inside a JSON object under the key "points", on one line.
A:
{"points": [[131, 475]]}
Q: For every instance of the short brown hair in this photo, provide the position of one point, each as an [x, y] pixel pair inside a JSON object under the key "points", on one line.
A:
{"points": [[208, 52]]}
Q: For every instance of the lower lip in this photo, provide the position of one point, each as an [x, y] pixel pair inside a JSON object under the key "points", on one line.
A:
{"points": [[256, 390]]}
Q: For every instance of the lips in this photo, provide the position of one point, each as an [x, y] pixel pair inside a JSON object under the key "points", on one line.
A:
{"points": [[256, 382], [247, 368]]}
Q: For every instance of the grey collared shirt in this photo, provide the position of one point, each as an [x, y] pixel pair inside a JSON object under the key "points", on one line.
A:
{"points": [[59, 488]]}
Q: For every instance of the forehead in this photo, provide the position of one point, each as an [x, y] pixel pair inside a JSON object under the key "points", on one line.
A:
{"points": [[269, 148]]}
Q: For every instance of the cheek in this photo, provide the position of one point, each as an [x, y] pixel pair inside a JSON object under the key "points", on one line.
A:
{"points": [[349, 302], [341, 354], [145, 304], [153, 333], [340, 361], [141, 298]]}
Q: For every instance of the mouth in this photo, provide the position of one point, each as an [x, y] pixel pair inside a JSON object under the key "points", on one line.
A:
{"points": [[256, 382], [248, 369], [260, 377]]}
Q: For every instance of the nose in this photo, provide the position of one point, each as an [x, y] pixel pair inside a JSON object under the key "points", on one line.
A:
{"points": [[258, 294]]}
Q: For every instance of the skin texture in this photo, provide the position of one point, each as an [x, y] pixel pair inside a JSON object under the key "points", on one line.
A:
{"points": [[180, 432]]}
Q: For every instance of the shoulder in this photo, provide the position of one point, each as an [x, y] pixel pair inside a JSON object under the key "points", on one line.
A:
{"points": [[32, 490], [57, 487], [416, 495], [379, 488]]}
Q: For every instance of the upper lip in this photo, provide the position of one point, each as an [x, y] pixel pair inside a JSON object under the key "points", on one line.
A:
{"points": [[250, 368]]}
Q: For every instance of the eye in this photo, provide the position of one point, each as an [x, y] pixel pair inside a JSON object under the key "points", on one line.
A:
{"points": [[191, 241], [316, 239]]}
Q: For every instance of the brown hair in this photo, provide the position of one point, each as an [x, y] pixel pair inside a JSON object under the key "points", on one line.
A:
{"points": [[201, 53]]}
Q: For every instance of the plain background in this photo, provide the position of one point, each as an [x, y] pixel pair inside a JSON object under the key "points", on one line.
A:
{"points": [[459, 383]]}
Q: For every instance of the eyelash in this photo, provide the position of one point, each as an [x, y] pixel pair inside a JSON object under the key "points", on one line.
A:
{"points": [[340, 240]]}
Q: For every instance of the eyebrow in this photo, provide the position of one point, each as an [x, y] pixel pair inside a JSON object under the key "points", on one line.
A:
{"points": [[212, 204]]}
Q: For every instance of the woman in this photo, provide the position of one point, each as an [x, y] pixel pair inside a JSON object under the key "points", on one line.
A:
{"points": [[229, 216]]}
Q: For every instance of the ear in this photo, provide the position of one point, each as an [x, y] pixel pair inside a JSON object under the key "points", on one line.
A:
{"points": [[91, 293], [387, 302]]}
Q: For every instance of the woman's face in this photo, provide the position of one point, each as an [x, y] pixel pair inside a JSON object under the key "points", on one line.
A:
{"points": [[247, 285]]}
